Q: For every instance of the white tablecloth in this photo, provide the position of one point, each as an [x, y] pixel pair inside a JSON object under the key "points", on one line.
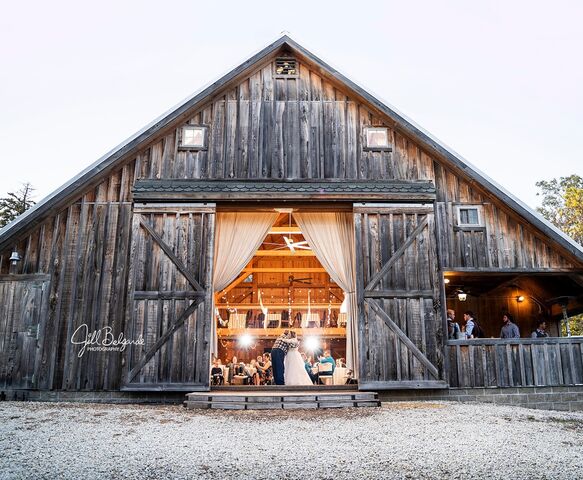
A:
{"points": [[237, 320], [339, 375], [313, 317]]}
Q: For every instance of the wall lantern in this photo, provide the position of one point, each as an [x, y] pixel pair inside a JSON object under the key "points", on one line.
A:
{"points": [[462, 296], [520, 298], [15, 257]]}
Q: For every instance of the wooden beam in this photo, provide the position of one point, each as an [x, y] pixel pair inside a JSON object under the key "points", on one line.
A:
{"points": [[294, 305], [284, 253], [235, 282], [280, 230], [285, 270]]}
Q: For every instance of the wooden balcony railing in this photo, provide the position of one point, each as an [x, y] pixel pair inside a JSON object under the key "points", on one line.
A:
{"points": [[515, 363]]}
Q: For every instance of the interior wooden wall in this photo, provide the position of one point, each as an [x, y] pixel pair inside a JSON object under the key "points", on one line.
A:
{"points": [[489, 309]]}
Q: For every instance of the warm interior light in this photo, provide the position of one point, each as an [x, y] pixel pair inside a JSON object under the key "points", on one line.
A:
{"points": [[312, 343], [446, 280], [462, 296], [245, 340], [520, 298]]}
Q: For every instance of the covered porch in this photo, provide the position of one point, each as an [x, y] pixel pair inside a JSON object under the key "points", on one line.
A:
{"points": [[529, 297]]}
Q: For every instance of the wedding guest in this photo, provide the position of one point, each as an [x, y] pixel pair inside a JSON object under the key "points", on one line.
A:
{"points": [[326, 358], [469, 319], [254, 371], [265, 369], [217, 373], [541, 330], [308, 366], [509, 329], [453, 328], [232, 368]]}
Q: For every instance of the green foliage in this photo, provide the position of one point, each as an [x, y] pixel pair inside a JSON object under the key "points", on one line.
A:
{"points": [[576, 325], [15, 204], [562, 204]]}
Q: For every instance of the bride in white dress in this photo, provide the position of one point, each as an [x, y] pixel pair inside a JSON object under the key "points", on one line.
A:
{"points": [[294, 367]]}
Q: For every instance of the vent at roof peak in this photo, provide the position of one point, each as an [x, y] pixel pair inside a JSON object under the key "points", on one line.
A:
{"points": [[286, 66]]}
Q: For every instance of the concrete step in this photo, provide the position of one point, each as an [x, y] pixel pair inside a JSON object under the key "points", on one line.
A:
{"points": [[272, 400]]}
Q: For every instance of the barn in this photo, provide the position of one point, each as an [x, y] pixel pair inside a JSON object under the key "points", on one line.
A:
{"points": [[284, 196]]}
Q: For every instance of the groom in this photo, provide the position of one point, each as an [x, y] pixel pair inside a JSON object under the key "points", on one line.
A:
{"points": [[278, 353]]}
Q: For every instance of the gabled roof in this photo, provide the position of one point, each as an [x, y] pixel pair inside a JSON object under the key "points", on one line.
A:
{"points": [[179, 113]]}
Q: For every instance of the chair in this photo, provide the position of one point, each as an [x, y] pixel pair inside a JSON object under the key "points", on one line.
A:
{"points": [[325, 371], [273, 317]]}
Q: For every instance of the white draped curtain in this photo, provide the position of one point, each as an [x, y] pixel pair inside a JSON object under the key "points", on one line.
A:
{"points": [[238, 235], [331, 236]]}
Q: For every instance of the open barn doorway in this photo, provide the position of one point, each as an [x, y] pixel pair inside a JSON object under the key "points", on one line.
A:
{"points": [[283, 288]]}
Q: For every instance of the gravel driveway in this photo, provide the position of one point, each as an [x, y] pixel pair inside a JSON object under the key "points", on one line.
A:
{"points": [[399, 440]]}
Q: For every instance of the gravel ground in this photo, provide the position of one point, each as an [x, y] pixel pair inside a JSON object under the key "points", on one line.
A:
{"points": [[398, 440]]}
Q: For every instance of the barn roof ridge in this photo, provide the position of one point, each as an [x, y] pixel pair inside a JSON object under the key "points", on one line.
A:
{"points": [[121, 151]]}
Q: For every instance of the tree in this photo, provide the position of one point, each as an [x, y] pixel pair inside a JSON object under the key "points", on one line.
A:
{"points": [[562, 204], [16, 203]]}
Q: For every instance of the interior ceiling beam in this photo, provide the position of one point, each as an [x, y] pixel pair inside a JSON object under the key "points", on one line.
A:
{"points": [[236, 282], [280, 230], [294, 305], [285, 270], [284, 253], [296, 286], [506, 284]]}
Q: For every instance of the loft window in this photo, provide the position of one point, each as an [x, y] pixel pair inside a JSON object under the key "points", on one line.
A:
{"points": [[193, 137], [469, 216], [286, 67], [377, 138]]}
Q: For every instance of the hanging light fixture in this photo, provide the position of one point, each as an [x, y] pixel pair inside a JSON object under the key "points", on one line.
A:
{"points": [[15, 257], [462, 296], [520, 298]]}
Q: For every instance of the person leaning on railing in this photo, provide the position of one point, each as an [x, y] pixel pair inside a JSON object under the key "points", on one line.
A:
{"points": [[541, 330]]}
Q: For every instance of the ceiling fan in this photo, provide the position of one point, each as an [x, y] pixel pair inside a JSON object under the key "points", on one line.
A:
{"points": [[289, 243], [293, 280], [293, 245]]}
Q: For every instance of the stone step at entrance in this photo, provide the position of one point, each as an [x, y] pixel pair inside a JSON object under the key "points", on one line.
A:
{"points": [[277, 400]]}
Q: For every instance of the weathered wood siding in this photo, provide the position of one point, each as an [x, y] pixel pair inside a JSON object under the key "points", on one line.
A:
{"points": [[515, 363]]}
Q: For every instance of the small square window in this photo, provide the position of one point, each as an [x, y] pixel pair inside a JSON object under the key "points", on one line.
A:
{"points": [[193, 137], [469, 216], [286, 67], [377, 138]]}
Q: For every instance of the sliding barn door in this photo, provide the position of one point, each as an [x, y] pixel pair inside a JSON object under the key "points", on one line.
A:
{"points": [[400, 323], [23, 310], [172, 260]]}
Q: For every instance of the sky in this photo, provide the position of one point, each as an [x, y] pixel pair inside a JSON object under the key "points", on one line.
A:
{"points": [[500, 82]]}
